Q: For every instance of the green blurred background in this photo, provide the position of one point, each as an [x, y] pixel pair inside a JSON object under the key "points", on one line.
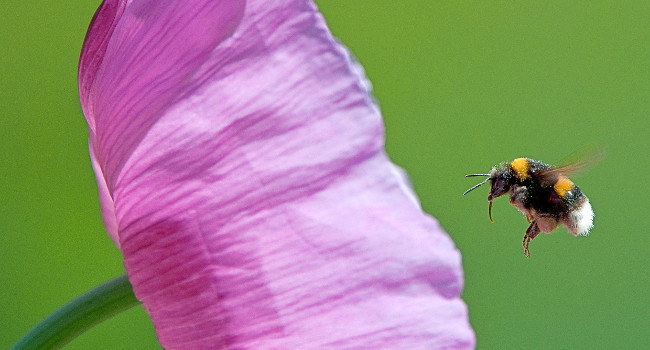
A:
{"points": [[462, 85]]}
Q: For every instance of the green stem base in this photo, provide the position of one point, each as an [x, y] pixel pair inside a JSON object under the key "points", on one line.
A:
{"points": [[80, 314]]}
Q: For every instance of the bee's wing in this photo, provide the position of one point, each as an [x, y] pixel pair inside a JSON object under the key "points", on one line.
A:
{"points": [[549, 176]]}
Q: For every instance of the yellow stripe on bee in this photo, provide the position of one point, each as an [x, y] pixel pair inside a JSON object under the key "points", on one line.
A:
{"points": [[562, 186], [520, 166]]}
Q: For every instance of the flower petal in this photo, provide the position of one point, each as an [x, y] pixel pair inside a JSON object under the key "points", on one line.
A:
{"points": [[140, 57], [241, 163]]}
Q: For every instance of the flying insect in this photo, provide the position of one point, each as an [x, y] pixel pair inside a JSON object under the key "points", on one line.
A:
{"points": [[543, 193]]}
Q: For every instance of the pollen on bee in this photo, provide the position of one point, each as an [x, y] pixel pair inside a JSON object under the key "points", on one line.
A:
{"points": [[562, 186], [520, 166]]}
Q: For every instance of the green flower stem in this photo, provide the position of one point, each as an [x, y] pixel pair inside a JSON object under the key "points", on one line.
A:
{"points": [[79, 315]]}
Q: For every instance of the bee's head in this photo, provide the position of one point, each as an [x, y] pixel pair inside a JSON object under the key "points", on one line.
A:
{"points": [[500, 180]]}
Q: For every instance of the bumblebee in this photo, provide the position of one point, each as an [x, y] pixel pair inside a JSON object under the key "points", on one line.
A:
{"points": [[544, 194]]}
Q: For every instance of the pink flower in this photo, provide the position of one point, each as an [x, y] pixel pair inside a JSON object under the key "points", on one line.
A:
{"points": [[242, 173]]}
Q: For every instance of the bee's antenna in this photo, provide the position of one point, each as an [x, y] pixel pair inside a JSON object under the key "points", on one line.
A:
{"points": [[484, 181]]}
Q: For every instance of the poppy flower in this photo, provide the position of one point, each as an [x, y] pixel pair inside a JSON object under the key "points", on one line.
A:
{"points": [[242, 173]]}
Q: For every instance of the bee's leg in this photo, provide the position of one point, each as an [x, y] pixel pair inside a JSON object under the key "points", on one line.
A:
{"points": [[529, 218], [531, 233]]}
